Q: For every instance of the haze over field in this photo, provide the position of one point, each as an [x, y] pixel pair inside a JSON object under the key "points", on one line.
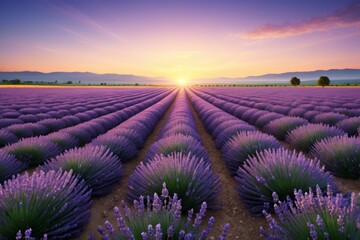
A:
{"points": [[173, 40]]}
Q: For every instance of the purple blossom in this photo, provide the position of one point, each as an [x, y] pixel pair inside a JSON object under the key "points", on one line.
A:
{"points": [[350, 125], [162, 221], [280, 127], [340, 155], [330, 118], [9, 166], [187, 175], [310, 218], [7, 137], [281, 172], [97, 166], [177, 144], [304, 137], [52, 203], [33, 151], [245, 144], [122, 147]]}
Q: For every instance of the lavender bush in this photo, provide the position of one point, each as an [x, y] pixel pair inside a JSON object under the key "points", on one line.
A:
{"points": [[64, 140], [224, 125], [350, 125], [245, 144], [159, 218], [52, 203], [97, 166], [280, 171], [304, 137], [187, 175], [340, 155], [329, 118], [230, 132], [33, 151], [177, 144], [122, 147], [314, 216], [9, 166], [280, 127], [7, 137], [134, 136]]}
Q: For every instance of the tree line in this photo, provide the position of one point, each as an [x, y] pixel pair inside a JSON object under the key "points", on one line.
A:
{"points": [[322, 81]]}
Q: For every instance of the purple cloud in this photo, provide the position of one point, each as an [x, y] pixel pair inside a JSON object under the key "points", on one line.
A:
{"points": [[348, 16]]}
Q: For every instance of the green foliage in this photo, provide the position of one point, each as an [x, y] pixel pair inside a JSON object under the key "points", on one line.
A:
{"points": [[323, 81], [295, 81], [69, 82]]}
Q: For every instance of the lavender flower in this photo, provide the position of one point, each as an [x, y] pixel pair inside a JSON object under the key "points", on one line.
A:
{"points": [[340, 155], [280, 127], [52, 203], [33, 151], [159, 220], [304, 137], [245, 144], [278, 171], [314, 216], [99, 167], [187, 175]]}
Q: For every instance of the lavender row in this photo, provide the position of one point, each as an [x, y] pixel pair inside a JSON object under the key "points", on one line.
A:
{"points": [[304, 136], [348, 119], [293, 102], [267, 180], [15, 132], [259, 162], [62, 194], [99, 163], [34, 110], [173, 167], [34, 151], [173, 158]]}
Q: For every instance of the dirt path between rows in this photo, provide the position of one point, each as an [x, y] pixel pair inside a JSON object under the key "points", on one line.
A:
{"points": [[102, 208], [244, 225]]}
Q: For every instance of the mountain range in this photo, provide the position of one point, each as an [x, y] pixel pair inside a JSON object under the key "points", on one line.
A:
{"points": [[335, 75]]}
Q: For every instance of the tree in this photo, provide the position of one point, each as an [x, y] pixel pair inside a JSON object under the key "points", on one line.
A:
{"points": [[69, 82], [323, 81], [295, 81]]}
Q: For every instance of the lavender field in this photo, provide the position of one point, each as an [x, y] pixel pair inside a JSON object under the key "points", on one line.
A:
{"points": [[180, 163]]}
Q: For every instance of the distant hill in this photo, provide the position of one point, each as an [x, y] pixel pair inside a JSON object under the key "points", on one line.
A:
{"points": [[336, 76], [84, 77]]}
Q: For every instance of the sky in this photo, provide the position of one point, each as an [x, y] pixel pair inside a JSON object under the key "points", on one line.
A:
{"points": [[179, 39]]}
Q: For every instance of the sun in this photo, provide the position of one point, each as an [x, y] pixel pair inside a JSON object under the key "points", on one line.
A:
{"points": [[181, 82]]}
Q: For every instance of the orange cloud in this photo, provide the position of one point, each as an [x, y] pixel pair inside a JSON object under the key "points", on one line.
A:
{"points": [[348, 16]]}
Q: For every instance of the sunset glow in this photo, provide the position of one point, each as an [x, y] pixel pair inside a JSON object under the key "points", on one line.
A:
{"points": [[196, 39]]}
